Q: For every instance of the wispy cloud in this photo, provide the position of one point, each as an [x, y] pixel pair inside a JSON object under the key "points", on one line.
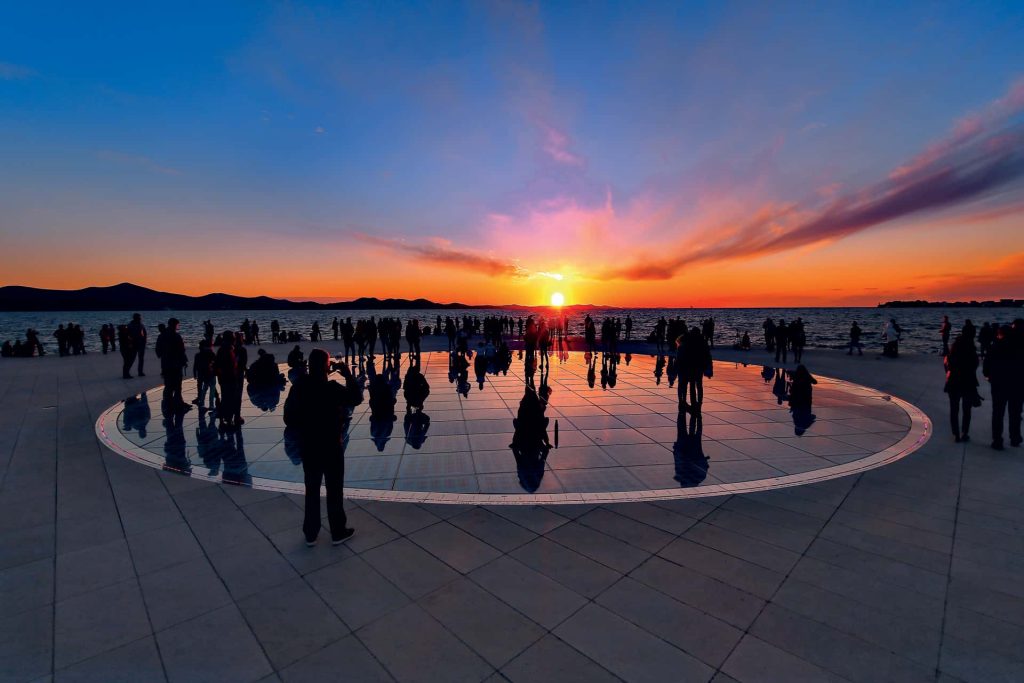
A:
{"points": [[137, 161], [557, 146], [521, 34], [441, 252], [15, 72], [982, 157]]}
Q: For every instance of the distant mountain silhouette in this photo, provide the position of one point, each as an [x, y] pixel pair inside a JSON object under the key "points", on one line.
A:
{"points": [[129, 297]]}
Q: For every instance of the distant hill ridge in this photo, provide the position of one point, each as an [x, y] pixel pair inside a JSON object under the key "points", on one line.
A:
{"points": [[130, 297]]}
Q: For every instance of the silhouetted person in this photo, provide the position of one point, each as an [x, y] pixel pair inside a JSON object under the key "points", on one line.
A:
{"points": [[800, 399], [693, 360], [106, 338], [855, 333], [296, 359], [382, 398], [781, 342], [945, 330], [1016, 400], [347, 334], [319, 410], [708, 330], [137, 332], [999, 368], [413, 336], [226, 367], [970, 331], [891, 339], [961, 385], [417, 389], [124, 340], [263, 373], [61, 335], [170, 349], [660, 328], [797, 339], [206, 378], [335, 328], [986, 335], [769, 334]]}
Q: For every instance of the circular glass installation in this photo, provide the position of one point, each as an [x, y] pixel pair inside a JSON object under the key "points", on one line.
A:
{"points": [[583, 428]]}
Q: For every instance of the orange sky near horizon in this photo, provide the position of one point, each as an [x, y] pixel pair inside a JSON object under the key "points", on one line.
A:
{"points": [[909, 262]]}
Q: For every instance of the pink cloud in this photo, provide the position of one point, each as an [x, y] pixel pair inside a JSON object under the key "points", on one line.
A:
{"points": [[977, 161], [556, 145]]}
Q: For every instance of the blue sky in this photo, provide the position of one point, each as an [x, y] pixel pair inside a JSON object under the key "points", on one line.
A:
{"points": [[480, 126]]}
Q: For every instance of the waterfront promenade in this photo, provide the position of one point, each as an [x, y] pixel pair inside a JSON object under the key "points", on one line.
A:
{"points": [[111, 570]]}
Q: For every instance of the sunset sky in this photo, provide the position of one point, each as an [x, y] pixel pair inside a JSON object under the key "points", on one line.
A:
{"points": [[635, 154]]}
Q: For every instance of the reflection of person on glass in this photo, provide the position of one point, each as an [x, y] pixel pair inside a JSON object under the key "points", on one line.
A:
{"points": [[382, 406], [480, 367], [236, 469], [780, 387], [800, 390], [175, 452], [136, 414], [208, 443], [530, 444], [416, 391], [319, 410], [688, 453]]}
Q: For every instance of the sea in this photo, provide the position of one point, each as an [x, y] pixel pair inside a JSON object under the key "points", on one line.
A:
{"points": [[825, 327]]}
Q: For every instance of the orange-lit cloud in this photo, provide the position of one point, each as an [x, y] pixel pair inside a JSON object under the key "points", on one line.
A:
{"points": [[440, 252], [983, 156]]}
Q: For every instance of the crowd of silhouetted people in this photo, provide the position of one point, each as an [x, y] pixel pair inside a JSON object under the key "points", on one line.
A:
{"points": [[1001, 359]]}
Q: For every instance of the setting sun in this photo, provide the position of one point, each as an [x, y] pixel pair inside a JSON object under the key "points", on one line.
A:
{"points": [[557, 299]]}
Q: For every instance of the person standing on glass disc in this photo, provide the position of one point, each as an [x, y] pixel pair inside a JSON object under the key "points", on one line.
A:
{"points": [[318, 409]]}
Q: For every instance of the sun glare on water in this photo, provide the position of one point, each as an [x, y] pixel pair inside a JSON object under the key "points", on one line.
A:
{"points": [[557, 299]]}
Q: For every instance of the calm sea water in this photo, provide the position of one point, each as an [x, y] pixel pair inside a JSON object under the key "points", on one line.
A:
{"points": [[826, 327]]}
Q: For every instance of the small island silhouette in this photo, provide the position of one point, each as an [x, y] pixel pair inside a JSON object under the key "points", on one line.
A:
{"points": [[920, 303]]}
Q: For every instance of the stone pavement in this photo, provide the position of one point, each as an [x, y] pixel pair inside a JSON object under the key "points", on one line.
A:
{"points": [[113, 571]]}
